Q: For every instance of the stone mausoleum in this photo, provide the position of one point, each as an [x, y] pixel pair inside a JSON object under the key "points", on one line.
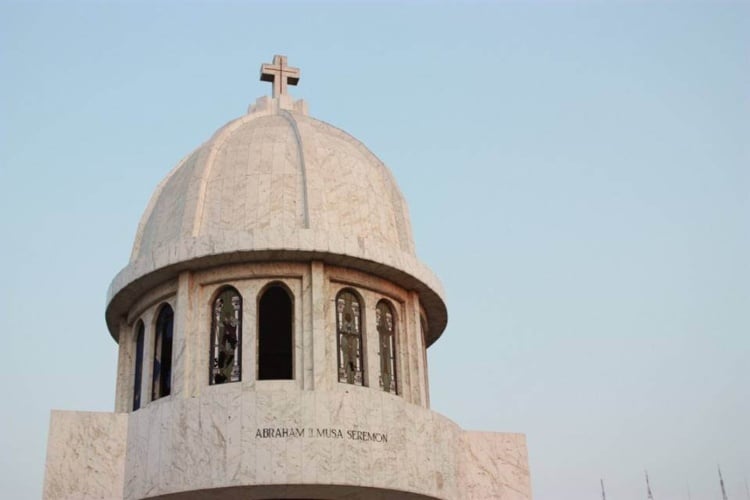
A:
{"points": [[273, 325]]}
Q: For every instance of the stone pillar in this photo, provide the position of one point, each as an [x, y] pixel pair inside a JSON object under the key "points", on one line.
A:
{"points": [[419, 350], [415, 343], [324, 356], [308, 343], [183, 363], [425, 363], [250, 298], [149, 322], [125, 368], [197, 335], [371, 347], [404, 349]]}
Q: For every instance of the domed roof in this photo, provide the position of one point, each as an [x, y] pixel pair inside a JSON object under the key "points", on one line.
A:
{"points": [[281, 172], [277, 184]]}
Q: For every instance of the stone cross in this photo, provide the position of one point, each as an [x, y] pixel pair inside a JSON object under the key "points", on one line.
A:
{"points": [[279, 74]]}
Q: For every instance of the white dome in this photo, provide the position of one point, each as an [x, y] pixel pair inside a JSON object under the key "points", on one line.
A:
{"points": [[277, 184], [277, 173]]}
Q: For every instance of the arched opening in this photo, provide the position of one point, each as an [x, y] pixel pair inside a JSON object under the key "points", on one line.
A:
{"points": [[162, 376], [225, 363], [349, 338], [385, 320], [275, 339], [140, 334]]}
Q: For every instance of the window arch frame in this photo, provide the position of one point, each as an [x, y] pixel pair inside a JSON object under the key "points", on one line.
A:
{"points": [[292, 358], [214, 355], [392, 343], [164, 378], [140, 346], [342, 374]]}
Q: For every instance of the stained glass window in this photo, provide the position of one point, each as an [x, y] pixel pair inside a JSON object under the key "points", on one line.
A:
{"points": [[226, 338], [275, 334], [140, 333], [385, 321], [349, 338], [162, 375]]}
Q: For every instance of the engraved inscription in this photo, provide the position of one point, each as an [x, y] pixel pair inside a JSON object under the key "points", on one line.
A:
{"points": [[320, 432]]}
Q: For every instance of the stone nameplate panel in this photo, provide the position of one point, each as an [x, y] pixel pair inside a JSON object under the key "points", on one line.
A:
{"points": [[319, 432]]}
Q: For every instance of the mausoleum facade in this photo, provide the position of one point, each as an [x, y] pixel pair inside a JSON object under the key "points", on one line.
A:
{"points": [[273, 325]]}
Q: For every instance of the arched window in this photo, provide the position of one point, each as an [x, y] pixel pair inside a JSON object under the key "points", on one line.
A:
{"points": [[226, 338], [140, 334], [385, 321], [162, 376], [349, 338], [275, 334]]}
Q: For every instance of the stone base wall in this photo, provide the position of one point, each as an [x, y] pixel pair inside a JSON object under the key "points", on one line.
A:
{"points": [[493, 465], [234, 437], [85, 456], [236, 443]]}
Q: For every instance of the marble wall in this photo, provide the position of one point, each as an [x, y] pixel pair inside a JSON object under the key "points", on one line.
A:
{"points": [[493, 465], [243, 443], [85, 456], [232, 436]]}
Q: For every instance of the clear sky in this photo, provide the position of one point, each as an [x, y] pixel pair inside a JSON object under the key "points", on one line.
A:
{"points": [[578, 175]]}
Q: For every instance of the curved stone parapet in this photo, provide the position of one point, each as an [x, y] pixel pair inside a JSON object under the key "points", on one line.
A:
{"points": [[234, 443], [234, 438]]}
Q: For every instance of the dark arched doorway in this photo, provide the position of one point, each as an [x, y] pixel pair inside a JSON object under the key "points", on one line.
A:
{"points": [[275, 338]]}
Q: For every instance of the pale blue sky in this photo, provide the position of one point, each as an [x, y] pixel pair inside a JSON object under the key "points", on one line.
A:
{"points": [[578, 175]]}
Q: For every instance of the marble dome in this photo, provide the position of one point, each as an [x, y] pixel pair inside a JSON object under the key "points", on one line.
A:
{"points": [[277, 184]]}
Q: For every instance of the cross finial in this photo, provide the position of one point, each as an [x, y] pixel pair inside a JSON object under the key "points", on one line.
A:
{"points": [[279, 74]]}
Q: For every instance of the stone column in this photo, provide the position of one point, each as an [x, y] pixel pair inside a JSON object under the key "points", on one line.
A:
{"points": [[324, 356], [149, 322], [371, 339], [249, 291], [403, 363], [419, 351], [125, 367], [183, 336], [308, 343]]}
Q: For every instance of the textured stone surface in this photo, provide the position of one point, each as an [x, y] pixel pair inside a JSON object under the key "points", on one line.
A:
{"points": [[232, 443], [271, 181], [85, 456], [283, 171], [494, 465], [218, 443]]}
